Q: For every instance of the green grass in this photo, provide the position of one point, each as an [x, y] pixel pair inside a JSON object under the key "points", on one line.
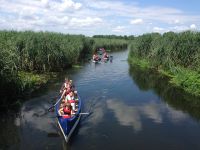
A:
{"points": [[77, 66], [32, 80], [143, 63], [188, 80]]}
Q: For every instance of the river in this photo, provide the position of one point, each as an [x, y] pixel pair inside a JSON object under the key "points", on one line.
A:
{"points": [[130, 109]]}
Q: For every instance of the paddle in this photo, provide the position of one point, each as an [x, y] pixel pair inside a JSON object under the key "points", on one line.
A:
{"points": [[51, 108], [86, 113]]}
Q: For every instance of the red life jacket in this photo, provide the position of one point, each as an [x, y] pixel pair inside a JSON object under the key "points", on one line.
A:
{"points": [[67, 112]]}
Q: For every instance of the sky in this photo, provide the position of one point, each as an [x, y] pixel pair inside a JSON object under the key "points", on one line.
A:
{"points": [[100, 17]]}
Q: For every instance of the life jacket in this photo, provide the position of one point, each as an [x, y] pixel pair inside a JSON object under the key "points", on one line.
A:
{"points": [[67, 112]]}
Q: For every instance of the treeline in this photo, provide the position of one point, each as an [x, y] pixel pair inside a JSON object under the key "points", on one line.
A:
{"points": [[174, 54], [131, 37], [110, 44]]}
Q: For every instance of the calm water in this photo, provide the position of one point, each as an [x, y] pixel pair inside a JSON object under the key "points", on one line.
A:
{"points": [[131, 110]]}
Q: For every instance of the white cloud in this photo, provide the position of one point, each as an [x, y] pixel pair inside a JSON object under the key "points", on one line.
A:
{"points": [[88, 21], [118, 29], [65, 5], [176, 21], [45, 3], [158, 29], [137, 21], [193, 26], [179, 28], [65, 15]]}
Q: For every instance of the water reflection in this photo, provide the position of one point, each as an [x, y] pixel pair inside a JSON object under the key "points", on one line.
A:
{"points": [[153, 111], [176, 98], [36, 125], [133, 115], [126, 115], [34, 114], [97, 114]]}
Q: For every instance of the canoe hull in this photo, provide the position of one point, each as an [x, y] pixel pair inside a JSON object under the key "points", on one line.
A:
{"points": [[68, 125], [70, 128]]}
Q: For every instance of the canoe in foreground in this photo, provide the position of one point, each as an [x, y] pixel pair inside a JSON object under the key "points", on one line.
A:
{"points": [[68, 125]]}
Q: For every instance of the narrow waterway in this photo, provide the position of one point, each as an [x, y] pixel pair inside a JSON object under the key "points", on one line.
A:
{"points": [[130, 109]]}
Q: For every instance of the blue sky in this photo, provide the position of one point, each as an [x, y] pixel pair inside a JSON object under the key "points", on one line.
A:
{"points": [[92, 17]]}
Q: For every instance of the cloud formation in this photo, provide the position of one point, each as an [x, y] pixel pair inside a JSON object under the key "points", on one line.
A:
{"points": [[118, 29], [95, 16], [136, 21]]}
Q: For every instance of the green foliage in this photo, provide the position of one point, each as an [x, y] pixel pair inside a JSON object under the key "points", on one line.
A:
{"points": [[187, 79], [111, 44], [131, 37], [43, 51], [39, 52], [32, 80], [143, 63], [176, 55], [22, 54]]}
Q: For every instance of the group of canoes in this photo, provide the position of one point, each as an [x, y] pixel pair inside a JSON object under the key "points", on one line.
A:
{"points": [[68, 109]]}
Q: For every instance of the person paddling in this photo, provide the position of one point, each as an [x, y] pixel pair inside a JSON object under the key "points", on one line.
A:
{"points": [[96, 57], [66, 111], [105, 55]]}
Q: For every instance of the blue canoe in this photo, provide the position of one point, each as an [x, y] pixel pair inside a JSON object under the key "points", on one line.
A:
{"points": [[68, 125]]}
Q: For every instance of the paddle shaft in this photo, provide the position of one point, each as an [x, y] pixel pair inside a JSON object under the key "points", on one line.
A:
{"points": [[87, 113], [55, 104]]}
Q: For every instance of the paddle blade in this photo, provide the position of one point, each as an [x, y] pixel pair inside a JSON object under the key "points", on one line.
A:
{"points": [[51, 109]]}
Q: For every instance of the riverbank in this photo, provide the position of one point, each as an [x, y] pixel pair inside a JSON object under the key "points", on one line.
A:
{"points": [[176, 55], [180, 77]]}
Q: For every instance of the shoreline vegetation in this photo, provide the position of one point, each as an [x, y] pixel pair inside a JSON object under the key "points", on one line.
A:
{"points": [[175, 55], [29, 59]]}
